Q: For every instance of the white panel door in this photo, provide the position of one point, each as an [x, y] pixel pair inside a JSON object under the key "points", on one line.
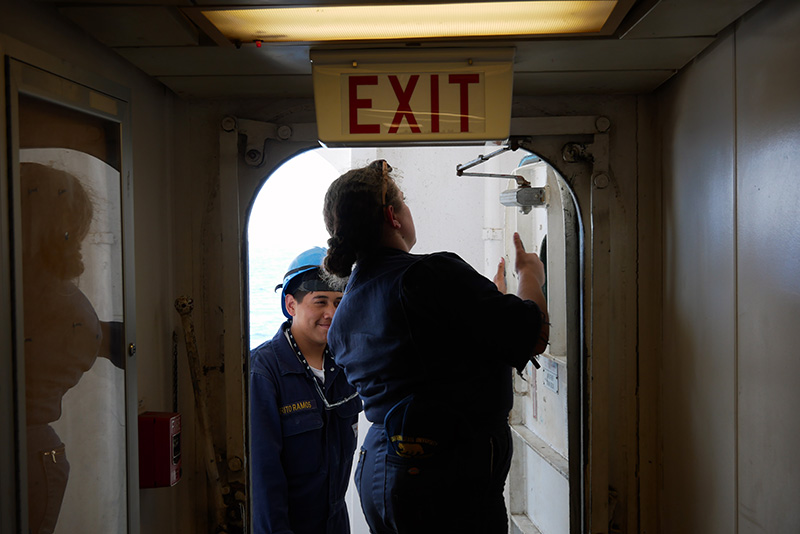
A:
{"points": [[539, 492]]}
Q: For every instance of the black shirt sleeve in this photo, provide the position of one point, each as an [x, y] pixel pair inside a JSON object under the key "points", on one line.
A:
{"points": [[452, 309]]}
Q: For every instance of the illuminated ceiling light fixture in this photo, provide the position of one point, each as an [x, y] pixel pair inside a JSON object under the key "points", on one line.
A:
{"points": [[411, 21]]}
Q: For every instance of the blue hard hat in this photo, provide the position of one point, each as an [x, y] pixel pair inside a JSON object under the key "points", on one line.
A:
{"points": [[304, 262]]}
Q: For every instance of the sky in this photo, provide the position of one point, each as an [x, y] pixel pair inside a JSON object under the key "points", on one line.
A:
{"points": [[291, 199]]}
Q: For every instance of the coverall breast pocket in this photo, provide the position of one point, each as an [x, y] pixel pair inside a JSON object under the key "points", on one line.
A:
{"points": [[349, 412], [302, 435]]}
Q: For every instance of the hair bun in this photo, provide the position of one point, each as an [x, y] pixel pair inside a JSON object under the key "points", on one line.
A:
{"points": [[340, 258]]}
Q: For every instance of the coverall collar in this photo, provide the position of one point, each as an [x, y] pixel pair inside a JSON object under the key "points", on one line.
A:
{"points": [[292, 365]]}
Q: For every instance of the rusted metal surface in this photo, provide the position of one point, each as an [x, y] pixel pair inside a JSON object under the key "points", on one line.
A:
{"points": [[184, 305]]}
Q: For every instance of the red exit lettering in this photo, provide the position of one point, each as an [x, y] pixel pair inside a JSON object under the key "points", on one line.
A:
{"points": [[359, 103], [404, 103], [464, 80], [363, 90]]}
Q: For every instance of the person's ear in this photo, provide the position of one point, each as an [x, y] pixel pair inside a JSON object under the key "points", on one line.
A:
{"points": [[388, 214], [291, 305]]}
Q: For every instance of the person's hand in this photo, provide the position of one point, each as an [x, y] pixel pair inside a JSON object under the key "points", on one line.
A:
{"points": [[500, 276], [527, 262]]}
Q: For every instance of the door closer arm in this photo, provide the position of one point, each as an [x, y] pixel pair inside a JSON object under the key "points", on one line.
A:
{"points": [[460, 168], [525, 197]]}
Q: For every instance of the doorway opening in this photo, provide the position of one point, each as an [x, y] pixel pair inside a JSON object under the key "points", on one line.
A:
{"points": [[462, 215]]}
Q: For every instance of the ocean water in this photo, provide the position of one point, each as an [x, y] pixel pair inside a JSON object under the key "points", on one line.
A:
{"points": [[267, 268]]}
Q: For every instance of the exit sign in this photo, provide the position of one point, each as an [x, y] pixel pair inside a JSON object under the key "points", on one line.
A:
{"points": [[381, 96]]}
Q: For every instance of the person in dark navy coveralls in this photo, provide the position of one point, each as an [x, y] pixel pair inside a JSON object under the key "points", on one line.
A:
{"points": [[303, 414], [430, 345]]}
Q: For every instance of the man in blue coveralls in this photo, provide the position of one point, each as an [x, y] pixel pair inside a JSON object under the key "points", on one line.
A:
{"points": [[303, 414]]}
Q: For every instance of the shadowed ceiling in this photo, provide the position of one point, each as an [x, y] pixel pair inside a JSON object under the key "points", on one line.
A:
{"points": [[171, 41]]}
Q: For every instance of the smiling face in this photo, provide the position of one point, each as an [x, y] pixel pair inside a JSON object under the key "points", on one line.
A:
{"points": [[311, 317]]}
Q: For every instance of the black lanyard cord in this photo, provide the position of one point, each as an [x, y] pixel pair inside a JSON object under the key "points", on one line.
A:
{"points": [[292, 343]]}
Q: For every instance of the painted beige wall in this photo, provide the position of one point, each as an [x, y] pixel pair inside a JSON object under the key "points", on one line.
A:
{"points": [[768, 262], [698, 375], [731, 282]]}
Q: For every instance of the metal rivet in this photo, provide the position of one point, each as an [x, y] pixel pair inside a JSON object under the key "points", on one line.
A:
{"points": [[602, 124], [229, 124], [235, 464], [284, 132], [601, 180]]}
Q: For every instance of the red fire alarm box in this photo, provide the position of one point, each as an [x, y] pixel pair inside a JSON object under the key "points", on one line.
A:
{"points": [[159, 449]]}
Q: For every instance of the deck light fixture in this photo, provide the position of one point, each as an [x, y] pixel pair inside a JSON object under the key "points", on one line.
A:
{"points": [[385, 22]]}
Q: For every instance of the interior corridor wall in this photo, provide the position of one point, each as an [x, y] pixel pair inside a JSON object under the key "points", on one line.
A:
{"points": [[40, 28], [731, 282]]}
